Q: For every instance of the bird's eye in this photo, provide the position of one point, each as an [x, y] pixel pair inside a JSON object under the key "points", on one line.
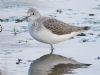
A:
{"points": [[33, 13]]}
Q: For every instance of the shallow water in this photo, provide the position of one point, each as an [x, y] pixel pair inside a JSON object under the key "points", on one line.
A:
{"points": [[16, 43]]}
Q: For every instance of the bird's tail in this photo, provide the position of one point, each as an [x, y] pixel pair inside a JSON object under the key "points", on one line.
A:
{"points": [[93, 28], [85, 65], [86, 28]]}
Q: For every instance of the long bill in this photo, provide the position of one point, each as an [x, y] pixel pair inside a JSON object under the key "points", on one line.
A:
{"points": [[23, 19]]}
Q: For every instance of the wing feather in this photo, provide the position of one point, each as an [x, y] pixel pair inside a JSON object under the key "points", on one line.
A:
{"points": [[59, 27]]}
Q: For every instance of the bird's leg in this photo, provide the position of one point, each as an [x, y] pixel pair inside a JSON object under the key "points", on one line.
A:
{"points": [[52, 48]]}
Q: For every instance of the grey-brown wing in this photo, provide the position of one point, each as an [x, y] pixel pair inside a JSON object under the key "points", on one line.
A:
{"points": [[59, 27]]}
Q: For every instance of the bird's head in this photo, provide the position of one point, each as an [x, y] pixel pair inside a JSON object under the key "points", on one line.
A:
{"points": [[33, 14]]}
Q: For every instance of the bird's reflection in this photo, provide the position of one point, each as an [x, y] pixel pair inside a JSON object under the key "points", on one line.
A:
{"points": [[54, 65]]}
